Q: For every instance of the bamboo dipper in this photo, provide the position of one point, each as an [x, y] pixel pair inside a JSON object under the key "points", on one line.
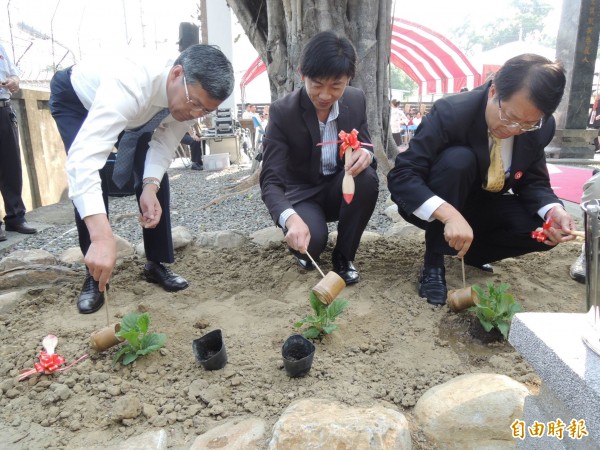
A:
{"points": [[329, 287]]}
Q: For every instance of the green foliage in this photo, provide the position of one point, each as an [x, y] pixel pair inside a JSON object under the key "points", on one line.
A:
{"points": [[134, 329], [321, 322], [496, 307], [401, 81], [523, 20]]}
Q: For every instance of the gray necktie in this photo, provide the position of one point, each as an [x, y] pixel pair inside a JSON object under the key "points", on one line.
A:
{"points": [[127, 146]]}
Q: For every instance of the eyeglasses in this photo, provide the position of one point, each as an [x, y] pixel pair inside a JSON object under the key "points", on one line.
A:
{"points": [[195, 107], [521, 126]]}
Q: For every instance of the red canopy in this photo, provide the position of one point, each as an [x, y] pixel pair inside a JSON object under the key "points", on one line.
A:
{"points": [[431, 60]]}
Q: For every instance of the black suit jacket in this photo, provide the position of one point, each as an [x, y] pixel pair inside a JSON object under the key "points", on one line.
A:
{"points": [[460, 120], [291, 170]]}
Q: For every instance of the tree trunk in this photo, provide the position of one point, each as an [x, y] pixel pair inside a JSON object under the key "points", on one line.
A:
{"points": [[278, 29]]}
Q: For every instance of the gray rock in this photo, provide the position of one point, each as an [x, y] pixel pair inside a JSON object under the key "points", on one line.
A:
{"points": [[233, 435], [323, 424], [21, 258], [221, 239]]}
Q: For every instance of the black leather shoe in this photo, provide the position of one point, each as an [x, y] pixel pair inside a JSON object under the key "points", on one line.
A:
{"points": [[197, 166], [170, 281], [344, 268], [90, 299], [305, 264], [2, 234], [432, 285], [22, 228], [485, 267]]}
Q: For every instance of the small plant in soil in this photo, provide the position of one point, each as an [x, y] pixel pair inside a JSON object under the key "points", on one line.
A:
{"points": [[496, 307], [134, 329], [321, 322]]}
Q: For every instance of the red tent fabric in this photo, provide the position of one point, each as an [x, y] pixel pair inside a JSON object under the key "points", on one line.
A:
{"points": [[255, 69], [430, 59]]}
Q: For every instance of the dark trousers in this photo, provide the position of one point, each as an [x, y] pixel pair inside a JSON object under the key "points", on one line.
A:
{"points": [[329, 206], [501, 225], [11, 177], [69, 114]]}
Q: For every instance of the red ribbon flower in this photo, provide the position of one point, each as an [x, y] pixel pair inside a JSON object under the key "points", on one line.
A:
{"points": [[540, 235], [49, 361], [348, 140]]}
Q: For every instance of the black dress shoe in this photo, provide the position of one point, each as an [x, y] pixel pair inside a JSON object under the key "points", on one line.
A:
{"points": [[22, 228], [170, 281], [197, 166], [90, 299], [305, 264], [485, 267], [344, 268], [432, 285], [2, 234]]}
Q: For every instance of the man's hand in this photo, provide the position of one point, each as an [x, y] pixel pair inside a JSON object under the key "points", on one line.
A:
{"points": [[561, 223], [150, 207], [101, 257], [457, 231], [298, 234], [12, 84], [361, 159]]}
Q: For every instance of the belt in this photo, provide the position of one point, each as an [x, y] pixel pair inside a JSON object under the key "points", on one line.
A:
{"points": [[4, 103]]}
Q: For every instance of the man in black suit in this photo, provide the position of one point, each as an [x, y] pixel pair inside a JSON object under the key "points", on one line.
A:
{"points": [[301, 181], [446, 184]]}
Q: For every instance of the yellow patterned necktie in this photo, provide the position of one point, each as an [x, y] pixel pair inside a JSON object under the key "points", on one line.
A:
{"points": [[495, 177]]}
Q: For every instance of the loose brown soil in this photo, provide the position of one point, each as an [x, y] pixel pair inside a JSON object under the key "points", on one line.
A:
{"points": [[390, 348]]}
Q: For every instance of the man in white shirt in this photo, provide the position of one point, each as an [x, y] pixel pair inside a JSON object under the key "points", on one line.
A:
{"points": [[93, 104], [250, 112], [11, 177]]}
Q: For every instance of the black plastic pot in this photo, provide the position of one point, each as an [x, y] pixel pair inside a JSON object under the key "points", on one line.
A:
{"points": [[209, 350], [298, 353]]}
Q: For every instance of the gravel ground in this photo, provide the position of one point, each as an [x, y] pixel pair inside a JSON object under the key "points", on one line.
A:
{"points": [[191, 192]]}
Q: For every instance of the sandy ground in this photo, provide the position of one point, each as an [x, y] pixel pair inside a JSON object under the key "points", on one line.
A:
{"points": [[390, 348]]}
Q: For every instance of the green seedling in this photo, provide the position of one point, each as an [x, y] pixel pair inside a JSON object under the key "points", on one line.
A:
{"points": [[134, 329], [321, 322], [496, 307]]}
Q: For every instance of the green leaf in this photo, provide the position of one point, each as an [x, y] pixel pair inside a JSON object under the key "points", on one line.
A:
{"points": [[503, 327], [129, 358], [129, 322], [330, 328], [120, 353], [311, 333], [299, 324], [154, 340], [316, 304], [131, 336], [487, 326], [336, 308], [143, 323]]}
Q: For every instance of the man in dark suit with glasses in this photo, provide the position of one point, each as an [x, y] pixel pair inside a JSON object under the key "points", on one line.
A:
{"points": [[474, 176]]}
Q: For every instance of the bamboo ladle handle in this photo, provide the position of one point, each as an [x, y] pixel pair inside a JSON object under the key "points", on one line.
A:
{"points": [[316, 265]]}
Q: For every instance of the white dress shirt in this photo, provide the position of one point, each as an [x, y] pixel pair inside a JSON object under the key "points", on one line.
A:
{"points": [[121, 95], [7, 69]]}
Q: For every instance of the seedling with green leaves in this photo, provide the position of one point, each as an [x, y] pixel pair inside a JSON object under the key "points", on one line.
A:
{"points": [[321, 322], [496, 307], [134, 329]]}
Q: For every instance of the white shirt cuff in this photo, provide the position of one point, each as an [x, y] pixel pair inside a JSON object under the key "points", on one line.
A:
{"points": [[284, 216], [544, 209], [89, 204], [426, 210]]}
